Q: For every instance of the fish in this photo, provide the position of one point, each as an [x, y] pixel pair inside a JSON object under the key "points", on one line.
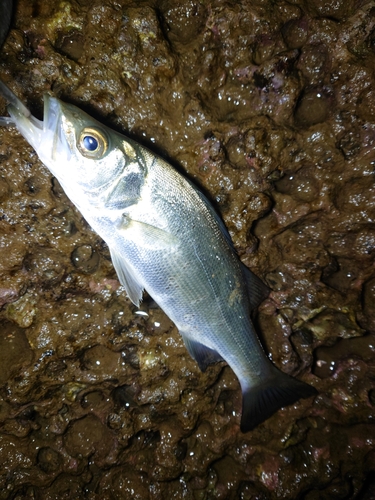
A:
{"points": [[165, 238]]}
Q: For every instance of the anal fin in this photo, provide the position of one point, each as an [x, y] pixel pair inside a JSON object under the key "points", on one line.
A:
{"points": [[203, 355]]}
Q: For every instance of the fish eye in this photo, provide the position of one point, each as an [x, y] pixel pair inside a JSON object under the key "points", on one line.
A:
{"points": [[92, 143]]}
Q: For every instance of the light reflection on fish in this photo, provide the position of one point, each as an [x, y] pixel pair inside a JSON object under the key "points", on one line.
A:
{"points": [[165, 238]]}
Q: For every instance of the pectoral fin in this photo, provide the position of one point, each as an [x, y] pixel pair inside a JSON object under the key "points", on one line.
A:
{"points": [[146, 235], [127, 278], [203, 355]]}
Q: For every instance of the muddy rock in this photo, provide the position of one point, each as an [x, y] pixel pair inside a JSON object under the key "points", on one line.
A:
{"points": [[15, 350]]}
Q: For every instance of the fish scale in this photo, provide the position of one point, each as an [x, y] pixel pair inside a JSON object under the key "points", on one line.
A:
{"points": [[164, 237]]}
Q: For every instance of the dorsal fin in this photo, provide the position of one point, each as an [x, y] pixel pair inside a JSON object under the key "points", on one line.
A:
{"points": [[256, 289]]}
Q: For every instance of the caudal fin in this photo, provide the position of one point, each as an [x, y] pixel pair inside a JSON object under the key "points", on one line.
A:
{"points": [[263, 400]]}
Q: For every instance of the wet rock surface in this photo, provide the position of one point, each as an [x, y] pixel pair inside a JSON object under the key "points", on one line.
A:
{"points": [[269, 108]]}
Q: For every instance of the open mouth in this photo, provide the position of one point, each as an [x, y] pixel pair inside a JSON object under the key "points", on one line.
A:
{"points": [[29, 126], [52, 113], [52, 130], [38, 133]]}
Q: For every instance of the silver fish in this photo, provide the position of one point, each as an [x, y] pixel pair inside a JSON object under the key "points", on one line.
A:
{"points": [[165, 238]]}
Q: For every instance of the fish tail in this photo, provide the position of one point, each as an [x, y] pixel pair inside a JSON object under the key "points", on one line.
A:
{"points": [[263, 400]]}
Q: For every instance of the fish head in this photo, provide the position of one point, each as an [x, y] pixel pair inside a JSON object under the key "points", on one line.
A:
{"points": [[90, 160], [79, 150]]}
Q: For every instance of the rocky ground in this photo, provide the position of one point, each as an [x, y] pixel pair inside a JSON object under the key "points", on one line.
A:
{"points": [[269, 106]]}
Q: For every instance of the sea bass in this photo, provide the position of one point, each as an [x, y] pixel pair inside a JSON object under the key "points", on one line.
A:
{"points": [[164, 237]]}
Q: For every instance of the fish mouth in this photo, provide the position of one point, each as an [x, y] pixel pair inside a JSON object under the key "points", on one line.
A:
{"points": [[52, 129], [29, 126], [40, 134], [52, 114]]}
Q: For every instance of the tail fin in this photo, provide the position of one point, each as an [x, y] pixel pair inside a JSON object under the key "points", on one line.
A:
{"points": [[263, 400]]}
